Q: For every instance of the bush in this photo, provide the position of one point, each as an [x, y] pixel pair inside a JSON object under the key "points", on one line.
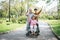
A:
{"points": [[46, 16], [13, 20], [22, 19], [7, 20], [1, 21], [50, 17], [43, 16], [7, 23]]}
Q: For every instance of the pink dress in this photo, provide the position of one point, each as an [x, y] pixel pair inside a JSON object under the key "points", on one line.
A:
{"points": [[33, 22]]}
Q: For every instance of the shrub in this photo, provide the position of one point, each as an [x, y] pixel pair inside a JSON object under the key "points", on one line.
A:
{"points": [[13, 20], [8, 23], [1, 21], [46, 16], [43, 16], [50, 17], [7, 20], [22, 19]]}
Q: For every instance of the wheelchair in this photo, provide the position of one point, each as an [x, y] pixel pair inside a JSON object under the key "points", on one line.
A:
{"points": [[29, 31]]}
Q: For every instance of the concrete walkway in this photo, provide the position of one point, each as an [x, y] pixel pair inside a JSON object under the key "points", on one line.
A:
{"points": [[45, 34]]}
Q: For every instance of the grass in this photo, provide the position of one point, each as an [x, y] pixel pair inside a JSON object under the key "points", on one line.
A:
{"points": [[7, 26], [55, 24]]}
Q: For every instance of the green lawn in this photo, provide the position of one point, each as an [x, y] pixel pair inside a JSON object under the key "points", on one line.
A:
{"points": [[55, 24], [7, 26]]}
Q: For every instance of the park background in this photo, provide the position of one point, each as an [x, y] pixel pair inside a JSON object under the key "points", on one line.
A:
{"points": [[12, 13]]}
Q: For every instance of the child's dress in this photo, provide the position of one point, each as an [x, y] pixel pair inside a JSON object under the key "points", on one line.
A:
{"points": [[33, 25]]}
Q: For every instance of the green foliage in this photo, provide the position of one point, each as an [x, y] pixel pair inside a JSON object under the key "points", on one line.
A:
{"points": [[18, 8], [4, 8], [7, 20], [1, 21], [22, 19], [43, 16], [58, 15], [13, 20], [48, 1], [49, 17], [12, 26], [1, 13], [55, 24]]}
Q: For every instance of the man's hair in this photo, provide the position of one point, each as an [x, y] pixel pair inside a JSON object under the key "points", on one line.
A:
{"points": [[35, 9]]}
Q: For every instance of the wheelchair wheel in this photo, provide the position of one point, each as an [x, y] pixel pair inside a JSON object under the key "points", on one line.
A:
{"points": [[28, 33]]}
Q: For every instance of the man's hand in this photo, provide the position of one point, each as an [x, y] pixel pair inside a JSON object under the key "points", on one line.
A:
{"points": [[39, 11]]}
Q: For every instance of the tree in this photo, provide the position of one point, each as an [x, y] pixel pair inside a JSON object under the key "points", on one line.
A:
{"points": [[4, 6]]}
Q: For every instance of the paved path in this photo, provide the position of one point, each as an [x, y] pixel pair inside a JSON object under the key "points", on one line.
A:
{"points": [[45, 34]]}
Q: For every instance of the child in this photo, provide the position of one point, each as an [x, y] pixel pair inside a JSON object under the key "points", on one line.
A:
{"points": [[33, 25]]}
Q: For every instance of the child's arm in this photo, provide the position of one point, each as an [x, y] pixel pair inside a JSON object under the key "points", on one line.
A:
{"points": [[36, 22]]}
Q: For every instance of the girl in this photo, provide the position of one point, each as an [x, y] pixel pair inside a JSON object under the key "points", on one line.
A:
{"points": [[33, 25]]}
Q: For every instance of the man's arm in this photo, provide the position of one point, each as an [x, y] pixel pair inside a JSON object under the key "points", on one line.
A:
{"points": [[39, 11]]}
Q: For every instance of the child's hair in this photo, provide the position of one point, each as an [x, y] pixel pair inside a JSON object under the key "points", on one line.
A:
{"points": [[33, 16]]}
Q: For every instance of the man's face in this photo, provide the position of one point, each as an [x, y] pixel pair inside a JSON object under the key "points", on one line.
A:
{"points": [[30, 10], [35, 11]]}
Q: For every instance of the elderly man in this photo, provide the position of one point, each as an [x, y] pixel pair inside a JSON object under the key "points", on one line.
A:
{"points": [[29, 15]]}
